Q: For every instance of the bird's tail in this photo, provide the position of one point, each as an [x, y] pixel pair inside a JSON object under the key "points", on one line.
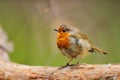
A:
{"points": [[96, 49]]}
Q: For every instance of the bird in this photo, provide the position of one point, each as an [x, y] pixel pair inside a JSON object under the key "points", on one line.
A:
{"points": [[74, 44]]}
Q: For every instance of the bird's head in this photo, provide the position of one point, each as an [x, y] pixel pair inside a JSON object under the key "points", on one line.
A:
{"points": [[63, 28]]}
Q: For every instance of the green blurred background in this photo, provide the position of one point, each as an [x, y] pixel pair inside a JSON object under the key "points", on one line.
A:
{"points": [[29, 24]]}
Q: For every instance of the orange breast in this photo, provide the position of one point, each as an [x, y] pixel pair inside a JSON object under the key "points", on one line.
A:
{"points": [[62, 40]]}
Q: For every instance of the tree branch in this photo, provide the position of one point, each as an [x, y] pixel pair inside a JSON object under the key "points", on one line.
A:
{"points": [[12, 71]]}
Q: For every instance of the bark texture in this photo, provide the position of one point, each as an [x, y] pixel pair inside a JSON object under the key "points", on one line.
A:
{"points": [[12, 71]]}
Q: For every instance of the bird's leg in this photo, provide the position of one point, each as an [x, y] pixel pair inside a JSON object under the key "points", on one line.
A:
{"points": [[67, 64], [62, 67], [74, 66]]}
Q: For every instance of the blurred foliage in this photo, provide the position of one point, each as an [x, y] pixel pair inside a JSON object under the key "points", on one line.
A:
{"points": [[28, 25]]}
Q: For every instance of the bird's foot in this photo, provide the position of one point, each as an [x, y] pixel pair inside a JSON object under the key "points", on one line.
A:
{"points": [[67, 65], [75, 66]]}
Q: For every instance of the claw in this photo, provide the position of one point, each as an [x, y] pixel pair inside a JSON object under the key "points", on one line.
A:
{"points": [[67, 65]]}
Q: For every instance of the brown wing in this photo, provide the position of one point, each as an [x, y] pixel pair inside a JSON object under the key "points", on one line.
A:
{"points": [[80, 35], [84, 36]]}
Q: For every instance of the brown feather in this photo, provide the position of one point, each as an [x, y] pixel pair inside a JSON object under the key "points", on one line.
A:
{"points": [[99, 50]]}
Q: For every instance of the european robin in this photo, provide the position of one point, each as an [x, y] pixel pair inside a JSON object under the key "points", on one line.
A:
{"points": [[73, 43]]}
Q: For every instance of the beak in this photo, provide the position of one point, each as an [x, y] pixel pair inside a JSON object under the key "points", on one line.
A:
{"points": [[55, 30]]}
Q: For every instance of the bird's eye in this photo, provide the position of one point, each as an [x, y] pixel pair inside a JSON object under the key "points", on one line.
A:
{"points": [[63, 30]]}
